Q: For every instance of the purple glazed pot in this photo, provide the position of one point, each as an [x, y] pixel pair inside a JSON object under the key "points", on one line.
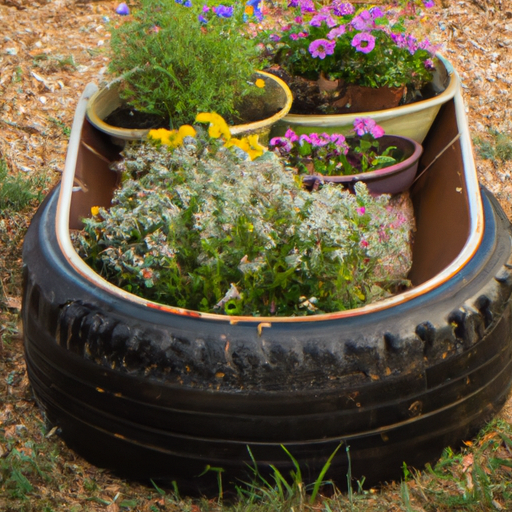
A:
{"points": [[390, 180]]}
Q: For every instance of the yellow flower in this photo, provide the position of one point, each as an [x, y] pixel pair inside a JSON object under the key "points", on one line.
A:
{"points": [[249, 144], [171, 138], [187, 131], [260, 83], [218, 127], [161, 135], [95, 210]]}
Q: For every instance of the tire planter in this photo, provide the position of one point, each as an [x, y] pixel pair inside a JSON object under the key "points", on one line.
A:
{"points": [[413, 120], [152, 391], [106, 100]]}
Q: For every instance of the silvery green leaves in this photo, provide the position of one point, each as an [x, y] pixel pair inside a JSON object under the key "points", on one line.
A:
{"points": [[198, 223]]}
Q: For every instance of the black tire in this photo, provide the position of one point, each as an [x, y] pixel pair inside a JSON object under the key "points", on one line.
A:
{"points": [[149, 393]]}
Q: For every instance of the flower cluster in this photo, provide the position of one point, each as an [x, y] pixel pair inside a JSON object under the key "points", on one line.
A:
{"points": [[367, 47], [199, 228], [335, 155], [217, 129]]}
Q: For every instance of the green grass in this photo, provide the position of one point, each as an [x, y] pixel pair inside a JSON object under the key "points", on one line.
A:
{"points": [[497, 147], [17, 192]]}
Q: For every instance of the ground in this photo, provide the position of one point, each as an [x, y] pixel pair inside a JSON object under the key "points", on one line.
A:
{"points": [[49, 51]]}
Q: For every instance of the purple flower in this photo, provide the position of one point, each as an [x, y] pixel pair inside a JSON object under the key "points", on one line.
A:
{"points": [[342, 8], [274, 37], [299, 20], [400, 40], [282, 143], [293, 3], [205, 9], [321, 48], [338, 139], [429, 64], [376, 12], [363, 42], [364, 125], [412, 44], [187, 3], [428, 3], [223, 11], [122, 9], [363, 21], [304, 138], [202, 19], [306, 6], [336, 32], [291, 135], [317, 20], [319, 141]]}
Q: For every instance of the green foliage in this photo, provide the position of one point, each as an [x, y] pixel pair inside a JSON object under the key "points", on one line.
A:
{"points": [[17, 192], [499, 147], [175, 66], [201, 228]]}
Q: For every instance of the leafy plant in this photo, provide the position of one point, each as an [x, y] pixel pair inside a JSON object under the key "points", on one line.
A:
{"points": [[204, 227], [335, 155], [176, 59]]}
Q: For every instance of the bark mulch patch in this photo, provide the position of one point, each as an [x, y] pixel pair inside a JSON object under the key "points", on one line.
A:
{"points": [[49, 51]]}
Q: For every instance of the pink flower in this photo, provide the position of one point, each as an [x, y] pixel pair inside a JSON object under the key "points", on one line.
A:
{"points": [[363, 21], [361, 210], [368, 125], [304, 138], [336, 32], [291, 135], [317, 20], [429, 64], [364, 243], [321, 48], [342, 8], [319, 141], [294, 37], [363, 42]]}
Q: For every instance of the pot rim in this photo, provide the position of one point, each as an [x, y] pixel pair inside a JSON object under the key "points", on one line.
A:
{"points": [[470, 247], [138, 133]]}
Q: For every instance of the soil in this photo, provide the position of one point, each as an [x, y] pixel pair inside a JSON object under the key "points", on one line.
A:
{"points": [[49, 51]]}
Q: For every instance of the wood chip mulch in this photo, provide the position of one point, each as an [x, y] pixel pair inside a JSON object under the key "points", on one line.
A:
{"points": [[49, 51]]}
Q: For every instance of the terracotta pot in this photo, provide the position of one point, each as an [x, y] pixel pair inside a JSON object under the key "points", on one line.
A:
{"points": [[352, 98], [106, 100], [390, 180], [413, 120]]}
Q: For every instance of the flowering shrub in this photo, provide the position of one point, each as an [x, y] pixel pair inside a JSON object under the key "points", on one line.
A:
{"points": [[204, 227], [333, 154], [177, 58], [367, 46]]}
